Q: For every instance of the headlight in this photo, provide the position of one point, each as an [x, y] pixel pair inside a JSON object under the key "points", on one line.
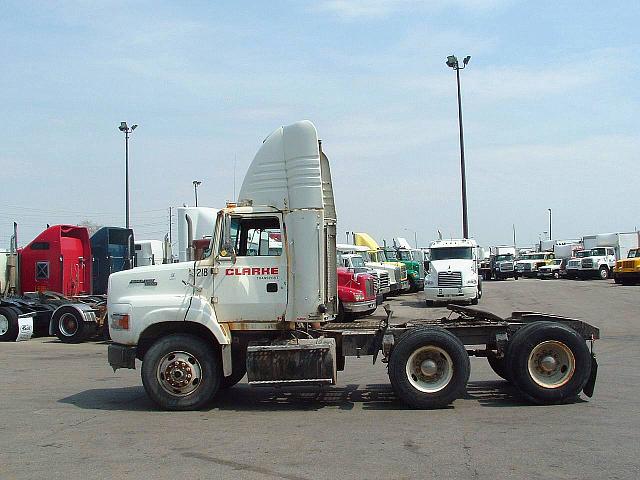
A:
{"points": [[472, 281], [429, 281], [358, 296]]}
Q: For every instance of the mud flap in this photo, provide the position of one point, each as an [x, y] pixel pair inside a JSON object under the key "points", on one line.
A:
{"points": [[591, 383]]}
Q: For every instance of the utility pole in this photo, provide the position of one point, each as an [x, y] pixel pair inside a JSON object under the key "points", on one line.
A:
{"points": [[550, 237]]}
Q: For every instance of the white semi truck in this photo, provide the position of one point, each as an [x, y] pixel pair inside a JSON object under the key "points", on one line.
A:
{"points": [[198, 326], [453, 272]]}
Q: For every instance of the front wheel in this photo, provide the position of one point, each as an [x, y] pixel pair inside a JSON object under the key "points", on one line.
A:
{"points": [[603, 272], [181, 372], [429, 368]]}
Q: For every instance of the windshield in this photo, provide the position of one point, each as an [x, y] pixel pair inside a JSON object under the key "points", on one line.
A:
{"points": [[501, 258], [582, 253], [404, 255], [634, 253], [598, 252], [557, 261], [534, 256], [452, 253], [365, 257], [357, 262], [391, 255]]}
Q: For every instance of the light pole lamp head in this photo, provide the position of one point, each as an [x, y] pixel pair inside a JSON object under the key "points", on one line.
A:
{"points": [[452, 61], [196, 183], [466, 60], [133, 127], [123, 126]]}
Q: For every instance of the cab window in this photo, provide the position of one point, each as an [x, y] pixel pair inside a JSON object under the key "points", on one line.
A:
{"points": [[256, 237]]}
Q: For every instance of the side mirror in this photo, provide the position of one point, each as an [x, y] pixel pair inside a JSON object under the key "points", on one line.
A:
{"points": [[227, 250]]}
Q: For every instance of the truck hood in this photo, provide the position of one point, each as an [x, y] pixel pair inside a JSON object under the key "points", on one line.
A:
{"points": [[153, 279]]}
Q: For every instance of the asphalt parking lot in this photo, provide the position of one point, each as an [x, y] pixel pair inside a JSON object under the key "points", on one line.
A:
{"points": [[65, 414]]}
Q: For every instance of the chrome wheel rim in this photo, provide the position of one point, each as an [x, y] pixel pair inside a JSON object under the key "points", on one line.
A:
{"points": [[179, 373], [68, 324], [551, 364], [429, 369], [4, 324]]}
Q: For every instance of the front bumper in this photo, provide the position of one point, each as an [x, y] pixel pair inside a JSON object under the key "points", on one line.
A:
{"points": [[457, 293], [627, 275], [121, 356], [359, 307]]}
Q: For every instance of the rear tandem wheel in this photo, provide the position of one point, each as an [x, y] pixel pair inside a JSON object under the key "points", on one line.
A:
{"points": [[429, 367], [548, 362]]}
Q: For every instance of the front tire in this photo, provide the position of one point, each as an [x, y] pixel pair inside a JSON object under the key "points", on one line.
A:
{"points": [[181, 372], [548, 362], [604, 272], [429, 368]]}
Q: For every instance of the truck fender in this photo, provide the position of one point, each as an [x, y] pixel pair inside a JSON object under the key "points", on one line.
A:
{"points": [[87, 313], [199, 310]]}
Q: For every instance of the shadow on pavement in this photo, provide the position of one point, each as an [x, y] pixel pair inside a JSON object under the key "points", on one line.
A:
{"points": [[242, 397]]}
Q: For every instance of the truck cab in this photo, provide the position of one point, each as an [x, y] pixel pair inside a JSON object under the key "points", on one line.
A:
{"points": [[600, 263], [378, 255], [356, 294], [503, 266], [453, 272], [527, 265], [415, 269], [627, 271], [574, 263], [393, 272], [355, 263]]}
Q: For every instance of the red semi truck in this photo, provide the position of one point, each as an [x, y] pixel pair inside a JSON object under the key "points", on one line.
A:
{"points": [[53, 292], [356, 295]]}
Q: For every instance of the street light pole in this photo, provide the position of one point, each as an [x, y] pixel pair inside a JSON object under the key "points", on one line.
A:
{"points": [[550, 237], [452, 62], [196, 183], [127, 131]]}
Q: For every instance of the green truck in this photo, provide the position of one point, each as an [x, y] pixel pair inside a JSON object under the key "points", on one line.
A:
{"points": [[404, 254]]}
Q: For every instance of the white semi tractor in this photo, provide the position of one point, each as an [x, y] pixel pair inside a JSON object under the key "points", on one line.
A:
{"points": [[198, 326], [453, 272]]}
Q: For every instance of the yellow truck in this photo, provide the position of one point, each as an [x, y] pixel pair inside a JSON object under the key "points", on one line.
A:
{"points": [[627, 270], [377, 254]]}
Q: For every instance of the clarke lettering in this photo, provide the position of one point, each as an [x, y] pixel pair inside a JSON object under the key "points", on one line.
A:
{"points": [[252, 271]]}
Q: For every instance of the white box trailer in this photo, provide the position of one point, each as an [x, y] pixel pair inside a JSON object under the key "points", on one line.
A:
{"points": [[150, 252], [621, 242]]}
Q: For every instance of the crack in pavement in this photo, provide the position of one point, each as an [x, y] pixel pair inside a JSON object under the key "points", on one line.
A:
{"points": [[241, 466]]}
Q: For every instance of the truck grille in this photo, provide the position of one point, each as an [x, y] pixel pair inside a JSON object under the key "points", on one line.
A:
{"points": [[573, 264], [369, 288], [628, 264], [587, 263], [524, 266], [450, 279], [376, 282], [403, 270], [506, 267], [384, 279], [398, 274]]}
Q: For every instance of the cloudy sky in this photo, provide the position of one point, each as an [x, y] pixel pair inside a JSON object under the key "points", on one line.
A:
{"points": [[550, 102]]}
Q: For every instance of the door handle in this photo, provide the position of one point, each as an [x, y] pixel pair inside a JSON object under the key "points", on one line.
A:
{"points": [[272, 287]]}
